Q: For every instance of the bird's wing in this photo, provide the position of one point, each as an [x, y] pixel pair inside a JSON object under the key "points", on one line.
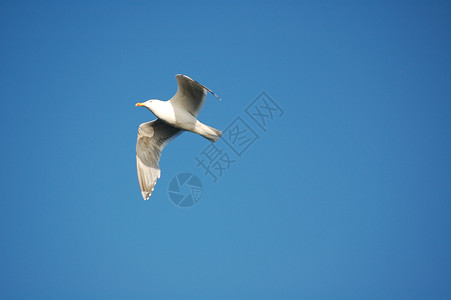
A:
{"points": [[190, 94], [152, 138]]}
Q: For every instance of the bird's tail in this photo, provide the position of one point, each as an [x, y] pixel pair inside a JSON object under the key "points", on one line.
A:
{"points": [[209, 133]]}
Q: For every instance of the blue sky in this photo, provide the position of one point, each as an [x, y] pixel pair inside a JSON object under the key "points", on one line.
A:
{"points": [[345, 196]]}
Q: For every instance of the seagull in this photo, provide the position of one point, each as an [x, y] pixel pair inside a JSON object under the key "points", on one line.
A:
{"points": [[174, 116]]}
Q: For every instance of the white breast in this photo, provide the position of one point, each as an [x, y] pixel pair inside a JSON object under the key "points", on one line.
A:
{"points": [[176, 116]]}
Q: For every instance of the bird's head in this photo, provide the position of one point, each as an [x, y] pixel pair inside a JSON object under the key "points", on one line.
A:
{"points": [[150, 104]]}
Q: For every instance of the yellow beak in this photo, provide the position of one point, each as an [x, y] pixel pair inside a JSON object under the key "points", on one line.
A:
{"points": [[139, 104]]}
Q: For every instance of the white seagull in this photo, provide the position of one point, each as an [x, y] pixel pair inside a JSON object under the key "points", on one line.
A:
{"points": [[174, 117]]}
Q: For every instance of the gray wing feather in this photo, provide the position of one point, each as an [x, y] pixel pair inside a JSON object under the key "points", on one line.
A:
{"points": [[152, 138], [190, 94]]}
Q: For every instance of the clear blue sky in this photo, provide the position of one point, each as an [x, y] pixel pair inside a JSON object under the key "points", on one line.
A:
{"points": [[345, 196]]}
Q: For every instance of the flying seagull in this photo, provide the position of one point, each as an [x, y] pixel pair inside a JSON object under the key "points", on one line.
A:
{"points": [[173, 117]]}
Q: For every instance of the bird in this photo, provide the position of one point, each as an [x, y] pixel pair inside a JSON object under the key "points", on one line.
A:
{"points": [[174, 116]]}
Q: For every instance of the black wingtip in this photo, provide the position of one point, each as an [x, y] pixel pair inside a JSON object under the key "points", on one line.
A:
{"points": [[187, 77]]}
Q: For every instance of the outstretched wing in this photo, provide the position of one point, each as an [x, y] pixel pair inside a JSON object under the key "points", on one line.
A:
{"points": [[190, 94], [152, 138]]}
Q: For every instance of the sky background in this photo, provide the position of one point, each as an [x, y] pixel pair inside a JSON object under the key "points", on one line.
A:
{"points": [[347, 195]]}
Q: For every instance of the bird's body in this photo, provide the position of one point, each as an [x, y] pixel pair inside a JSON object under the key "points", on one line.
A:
{"points": [[174, 116]]}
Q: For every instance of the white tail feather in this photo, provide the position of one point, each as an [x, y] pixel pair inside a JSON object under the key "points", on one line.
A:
{"points": [[208, 132]]}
